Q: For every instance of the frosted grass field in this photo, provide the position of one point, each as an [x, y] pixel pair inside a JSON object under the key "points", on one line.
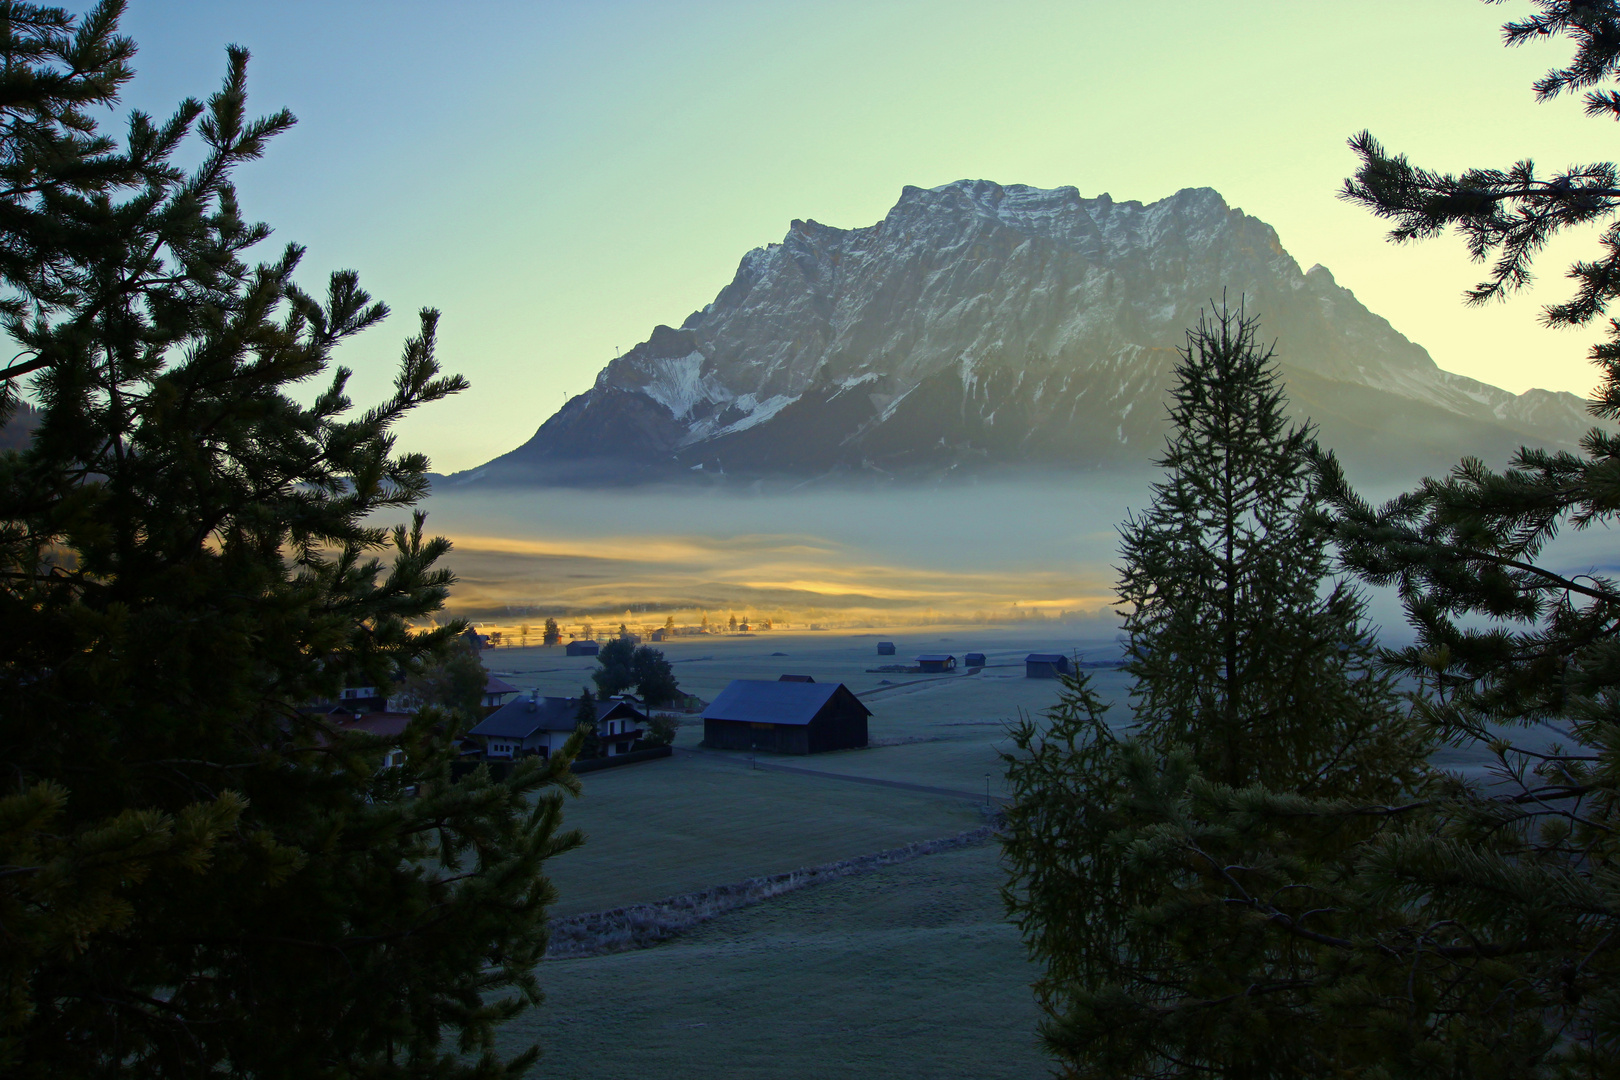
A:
{"points": [[906, 971]]}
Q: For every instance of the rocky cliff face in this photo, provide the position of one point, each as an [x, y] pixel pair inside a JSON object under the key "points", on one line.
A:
{"points": [[981, 327]]}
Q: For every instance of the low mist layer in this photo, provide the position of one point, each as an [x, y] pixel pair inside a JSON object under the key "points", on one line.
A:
{"points": [[980, 553]]}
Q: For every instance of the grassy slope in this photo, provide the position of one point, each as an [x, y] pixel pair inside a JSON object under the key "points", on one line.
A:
{"points": [[680, 824], [904, 972]]}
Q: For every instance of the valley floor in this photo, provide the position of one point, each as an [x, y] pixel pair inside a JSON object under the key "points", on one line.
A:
{"points": [[905, 971], [909, 971]]}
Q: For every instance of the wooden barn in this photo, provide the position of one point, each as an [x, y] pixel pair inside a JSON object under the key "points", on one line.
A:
{"points": [[582, 648], [785, 717], [885, 648], [974, 659], [936, 662], [1045, 665]]}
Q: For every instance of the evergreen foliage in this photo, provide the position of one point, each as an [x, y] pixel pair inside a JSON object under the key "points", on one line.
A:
{"points": [[1175, 880], [552, 634], [1239, 655], [1503, 900], [197, 877]]}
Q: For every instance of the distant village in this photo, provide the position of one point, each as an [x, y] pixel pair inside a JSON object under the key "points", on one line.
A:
{"points": [[792, 715]]}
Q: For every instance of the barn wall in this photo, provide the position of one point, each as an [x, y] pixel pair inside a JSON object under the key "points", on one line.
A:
{"points": [[841, 725], [777, 739]]}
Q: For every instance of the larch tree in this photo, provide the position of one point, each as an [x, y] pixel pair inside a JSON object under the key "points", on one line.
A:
{"points": [[1245, 650], [1171, 878], [199, 877]]}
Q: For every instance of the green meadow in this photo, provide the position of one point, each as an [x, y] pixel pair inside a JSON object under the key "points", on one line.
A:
{"points": [[910, 968]]}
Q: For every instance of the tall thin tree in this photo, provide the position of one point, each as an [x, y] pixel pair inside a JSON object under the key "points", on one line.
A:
{"points": [[1157, 874]]}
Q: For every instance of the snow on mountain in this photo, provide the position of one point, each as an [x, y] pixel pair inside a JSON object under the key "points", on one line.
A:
{"points": [[979, 326]]}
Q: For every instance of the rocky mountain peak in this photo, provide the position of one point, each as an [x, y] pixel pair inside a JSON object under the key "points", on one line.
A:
{"points": [[980, 325]]}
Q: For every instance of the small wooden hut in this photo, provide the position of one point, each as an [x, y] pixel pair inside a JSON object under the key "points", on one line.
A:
{"points": [[1045, 665]]}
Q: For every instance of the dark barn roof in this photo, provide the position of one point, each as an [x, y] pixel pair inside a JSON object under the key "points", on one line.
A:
{"points": [[935, 658], [522, 718], [496, 685], [795, 678], [1046, 658], [759, 701]]}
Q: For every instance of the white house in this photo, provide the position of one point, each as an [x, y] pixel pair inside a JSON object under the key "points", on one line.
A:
{"points": [[539, 725]]}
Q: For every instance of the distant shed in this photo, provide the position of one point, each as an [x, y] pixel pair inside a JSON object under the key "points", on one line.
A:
{"points": [[936, 662], [885, 648], [785, 717], [796, 678], [1045, 665], [974, 659], [582, 648]]}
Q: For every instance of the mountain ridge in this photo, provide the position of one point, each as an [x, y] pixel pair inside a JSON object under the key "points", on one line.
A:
{"points": [[981, 327]]}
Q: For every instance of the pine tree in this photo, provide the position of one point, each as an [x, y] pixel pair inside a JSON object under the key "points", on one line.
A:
{"points": [[201, 877], [1172, 881], [1501, 900], [553, 634]]}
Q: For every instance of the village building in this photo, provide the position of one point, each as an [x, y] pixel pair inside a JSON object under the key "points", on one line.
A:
{"points": [[359, 699], [388, 725], [936, 663], [582, 648], [974, 659], [496, 691], [795, 678], [539, 725], [785, 717], [1045, 665], [885, 648]]}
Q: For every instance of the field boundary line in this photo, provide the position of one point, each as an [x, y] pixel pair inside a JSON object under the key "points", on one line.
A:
{"points": [[641, 926], [901, 785]]}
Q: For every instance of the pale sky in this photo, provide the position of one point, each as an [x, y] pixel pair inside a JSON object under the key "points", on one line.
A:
{"points": [[558, 177]]}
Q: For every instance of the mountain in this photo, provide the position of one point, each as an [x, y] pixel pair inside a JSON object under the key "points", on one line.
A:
{"points": [[979, 328]]}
